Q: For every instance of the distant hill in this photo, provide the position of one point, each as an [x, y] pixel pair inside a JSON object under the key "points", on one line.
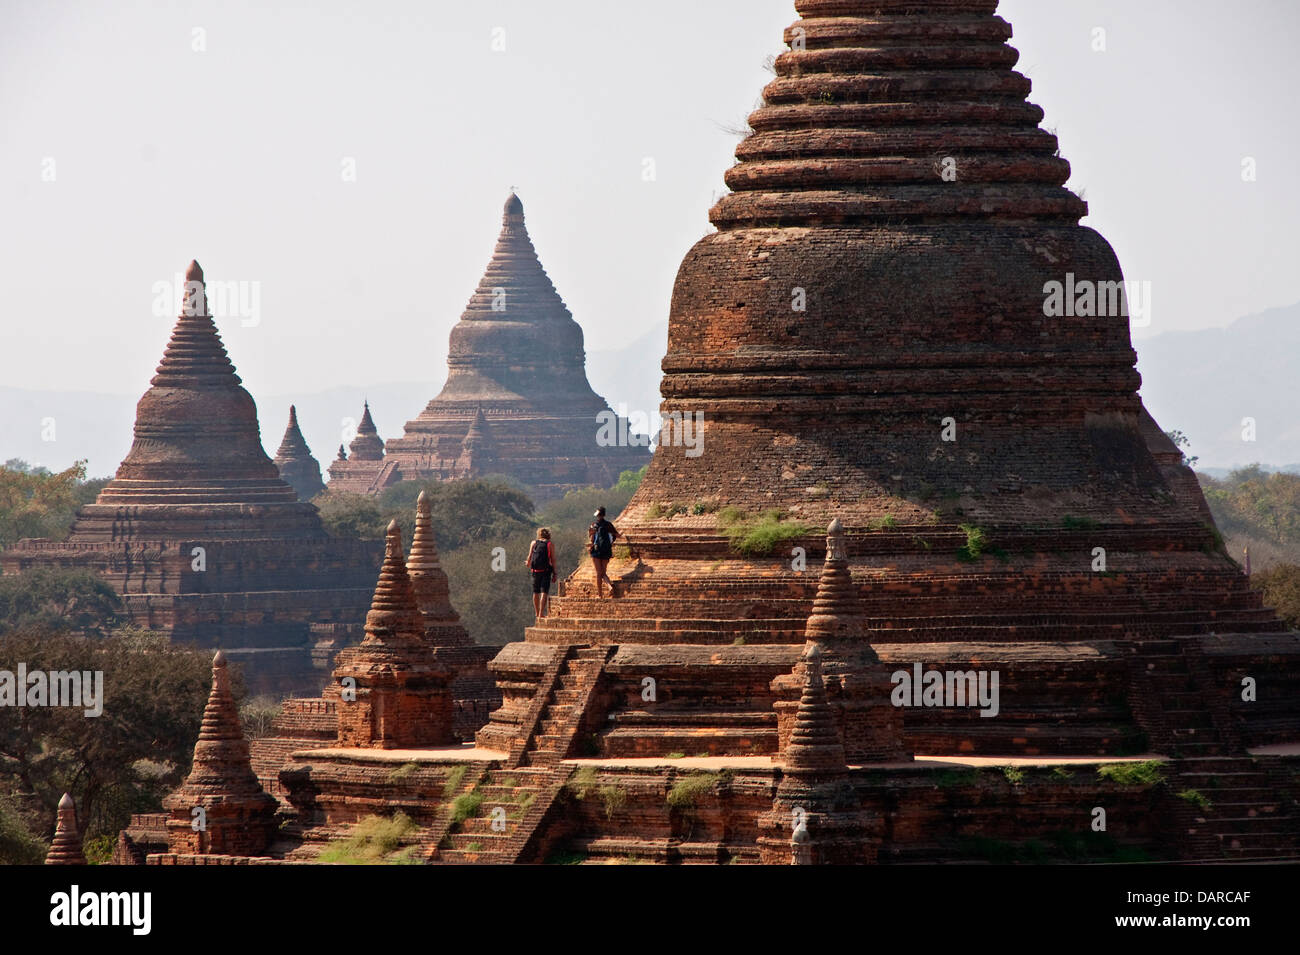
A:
{"points": [[1205, 383]]}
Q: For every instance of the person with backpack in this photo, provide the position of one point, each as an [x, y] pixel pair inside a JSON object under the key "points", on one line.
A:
{"points": [[541, 561], [600, 540]]}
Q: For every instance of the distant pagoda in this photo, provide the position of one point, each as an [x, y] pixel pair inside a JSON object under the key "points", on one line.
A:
{"points": [[363, 470], [295, 463], [201, 536], [516, 402]]}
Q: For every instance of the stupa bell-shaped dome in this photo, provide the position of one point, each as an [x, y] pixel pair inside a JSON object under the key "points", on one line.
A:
{"points": [[516, 338], [197, 448]]}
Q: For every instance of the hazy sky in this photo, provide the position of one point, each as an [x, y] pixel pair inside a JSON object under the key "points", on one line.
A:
{"points": [[235, 155]]}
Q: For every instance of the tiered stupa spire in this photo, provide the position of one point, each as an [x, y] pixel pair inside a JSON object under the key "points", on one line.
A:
{"points": [[516, 400], [294, 460], [66, 848], [815, 745], [362, 469], [869, 106], [442, 626], [394, 692], [873, 333], [837, 613], [197, 450], [367, 445], [221, 808]]}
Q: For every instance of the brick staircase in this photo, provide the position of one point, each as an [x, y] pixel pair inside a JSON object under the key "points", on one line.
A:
{"points": [[527, 786], [1252, 814], [1168, 692], [508, 796]]}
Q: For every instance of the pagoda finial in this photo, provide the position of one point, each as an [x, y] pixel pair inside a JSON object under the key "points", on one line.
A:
{"points": [[222, 788], [423, 558], [837, 609], [815, 744], [394, 614], [367, 445], [66, 849]]}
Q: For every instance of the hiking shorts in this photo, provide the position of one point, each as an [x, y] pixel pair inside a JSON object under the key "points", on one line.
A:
{"points": [[542, 581]]}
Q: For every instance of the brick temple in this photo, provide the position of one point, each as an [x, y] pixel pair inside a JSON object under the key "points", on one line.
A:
{"points": [[516, 402], [908, 467], [359, 468], [200, 535]]}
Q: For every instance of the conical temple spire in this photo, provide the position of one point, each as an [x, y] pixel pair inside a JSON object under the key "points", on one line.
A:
{"points": [[837, 613], [222, 792], [422, 562], [195, 351], [367, 445], [295, 463], [815, 744], [401, 696], [886, 110], [66, 848], [514, 286], [394, 616], [222, 749], [197, 445], [442, 625], [293, 441]]}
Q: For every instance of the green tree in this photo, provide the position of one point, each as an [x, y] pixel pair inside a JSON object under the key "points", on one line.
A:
{"points": [[1181, 441], [1255, 504], [121, 761], [61, 600], [350, 515], [464, 512], [37, 503], [1281, 586]]}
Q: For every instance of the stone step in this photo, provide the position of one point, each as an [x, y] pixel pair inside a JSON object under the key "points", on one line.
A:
{"points": [[1230, 764], [548, 743], [1224, 781], [482, 826], [1234, 826], [966, 631], [606, 849], [1267, 842], [497, 793]]}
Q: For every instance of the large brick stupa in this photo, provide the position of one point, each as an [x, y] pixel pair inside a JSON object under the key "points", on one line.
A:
{"points": [[516, 401], [920, 470], [867, 337], [200, 535]]}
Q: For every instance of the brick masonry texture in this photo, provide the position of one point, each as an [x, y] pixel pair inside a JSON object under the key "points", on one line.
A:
{"points": [[731, 701]]}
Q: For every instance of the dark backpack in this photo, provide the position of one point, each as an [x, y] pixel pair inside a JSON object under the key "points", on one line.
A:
{"points": [[602, 541], [538, 559]]}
